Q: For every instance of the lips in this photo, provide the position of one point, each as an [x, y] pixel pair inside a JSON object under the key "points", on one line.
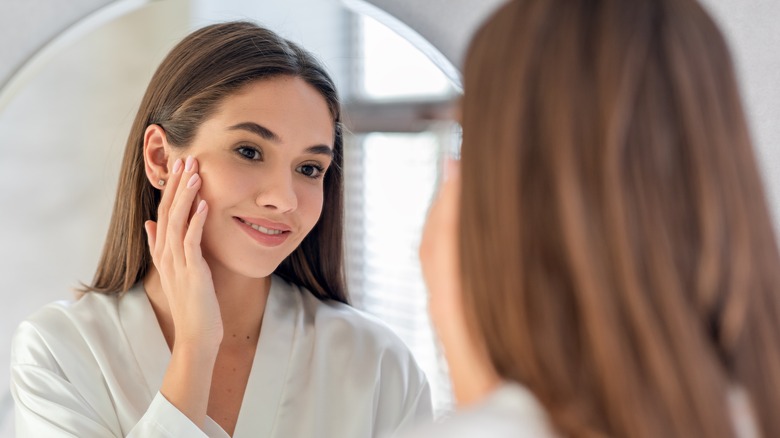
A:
{"points": [[265, 232]]}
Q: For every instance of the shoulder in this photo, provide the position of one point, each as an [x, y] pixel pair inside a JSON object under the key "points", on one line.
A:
{"points": [[92, 309], [510, 411], [360, 354], [336, 321], [352, 339], [57, 328], [346, 325]]}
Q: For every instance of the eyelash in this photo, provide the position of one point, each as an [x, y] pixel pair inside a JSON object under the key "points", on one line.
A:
{"points": [[258, 155], [240, 149], [320, 170]]}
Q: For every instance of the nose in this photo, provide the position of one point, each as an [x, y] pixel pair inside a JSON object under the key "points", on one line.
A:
{"points": [[277, 192]]}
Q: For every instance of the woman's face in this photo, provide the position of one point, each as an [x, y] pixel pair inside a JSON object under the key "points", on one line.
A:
{"points": [[262, 158]]}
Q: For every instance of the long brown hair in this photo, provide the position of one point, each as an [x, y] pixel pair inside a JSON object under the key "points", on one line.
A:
{"points": [[618, 255], [203, 69]]}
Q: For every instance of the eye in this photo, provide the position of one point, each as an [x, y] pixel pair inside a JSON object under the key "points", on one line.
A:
{"points": [[313, 171], [249, 153]]}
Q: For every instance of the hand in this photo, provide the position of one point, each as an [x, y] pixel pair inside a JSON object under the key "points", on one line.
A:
{"points": [[440, 256], [174, 241], [471, 372]]}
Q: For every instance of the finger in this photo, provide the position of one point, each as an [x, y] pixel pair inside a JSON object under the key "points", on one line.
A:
{"points": [[194, 234], [151, 234], [451, 180], [180, 210], [164, 207], [440, 228], [446, 203], [451, 168]]}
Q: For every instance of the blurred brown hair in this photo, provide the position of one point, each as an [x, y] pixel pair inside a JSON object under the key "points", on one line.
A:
{"points": [[201, 71], [618, 255]]}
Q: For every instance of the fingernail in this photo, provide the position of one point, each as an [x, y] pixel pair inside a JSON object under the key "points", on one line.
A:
{"points": [[201, 205], [177, 165], [190, 162], [193, 180]]}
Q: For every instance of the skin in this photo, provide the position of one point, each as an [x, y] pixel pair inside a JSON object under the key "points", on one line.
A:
{"points": [[210, 280], [471, 373]]}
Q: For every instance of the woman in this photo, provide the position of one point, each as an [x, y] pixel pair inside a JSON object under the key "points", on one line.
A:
{"points": [[228, 315], [604, 263]]}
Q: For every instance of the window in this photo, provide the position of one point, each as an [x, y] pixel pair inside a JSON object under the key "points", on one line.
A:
{"points": [[399, 115]]}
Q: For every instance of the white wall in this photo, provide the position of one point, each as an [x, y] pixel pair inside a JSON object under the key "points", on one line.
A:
{"points": [[62, 137], [320, 26], [752, 28]]}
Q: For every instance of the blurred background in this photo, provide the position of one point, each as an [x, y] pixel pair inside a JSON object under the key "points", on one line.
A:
{"points": [[65, 114]]}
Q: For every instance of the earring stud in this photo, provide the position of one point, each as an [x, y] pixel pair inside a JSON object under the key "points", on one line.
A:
{"points": [[161, 182]]}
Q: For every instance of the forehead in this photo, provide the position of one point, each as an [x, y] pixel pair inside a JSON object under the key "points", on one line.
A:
{"points": [[288, 106]]}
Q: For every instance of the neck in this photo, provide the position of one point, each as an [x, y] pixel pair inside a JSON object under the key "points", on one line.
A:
{"points": [[241, 300]]}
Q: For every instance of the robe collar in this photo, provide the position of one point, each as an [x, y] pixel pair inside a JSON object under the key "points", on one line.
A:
{"points": [[265, 387]]}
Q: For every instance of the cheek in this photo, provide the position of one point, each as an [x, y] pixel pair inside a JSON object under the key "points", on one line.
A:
{"points": [[310, 201], [219, 187]]}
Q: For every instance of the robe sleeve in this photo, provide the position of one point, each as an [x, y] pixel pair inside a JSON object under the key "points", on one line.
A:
{"points": [[418, 410], [163, 419], [49, 405], [404, 394]]}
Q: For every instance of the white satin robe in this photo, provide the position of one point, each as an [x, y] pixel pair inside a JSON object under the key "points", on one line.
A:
{"points": [[93, 368], [512, 411]]}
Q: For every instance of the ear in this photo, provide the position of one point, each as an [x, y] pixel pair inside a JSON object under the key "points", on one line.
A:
{"points": [[156, 154]]}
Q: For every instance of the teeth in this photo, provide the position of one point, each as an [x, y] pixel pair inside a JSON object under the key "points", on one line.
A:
{"points": [[263, 230]]}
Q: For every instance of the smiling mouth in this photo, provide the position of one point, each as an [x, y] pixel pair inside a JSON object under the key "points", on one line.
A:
{"points": [[264, 230]]}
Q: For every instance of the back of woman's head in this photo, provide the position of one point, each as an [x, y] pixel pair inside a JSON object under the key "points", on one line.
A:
{"points": [[618, 255], [207, 66]]}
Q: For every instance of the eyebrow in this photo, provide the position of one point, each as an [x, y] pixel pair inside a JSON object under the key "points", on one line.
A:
{"points": [[260, 131], [267, 134]]}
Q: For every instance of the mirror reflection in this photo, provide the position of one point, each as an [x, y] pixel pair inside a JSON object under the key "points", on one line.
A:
{"points": [[73, 114]]}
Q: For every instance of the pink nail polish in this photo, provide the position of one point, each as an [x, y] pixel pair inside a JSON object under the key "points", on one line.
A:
{"points": [[201, 205], [177, 165], [190, 162], [193, 179]]}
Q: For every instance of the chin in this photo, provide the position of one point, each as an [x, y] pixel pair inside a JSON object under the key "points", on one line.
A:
{"points": [[245, 265], [255, 270]]}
